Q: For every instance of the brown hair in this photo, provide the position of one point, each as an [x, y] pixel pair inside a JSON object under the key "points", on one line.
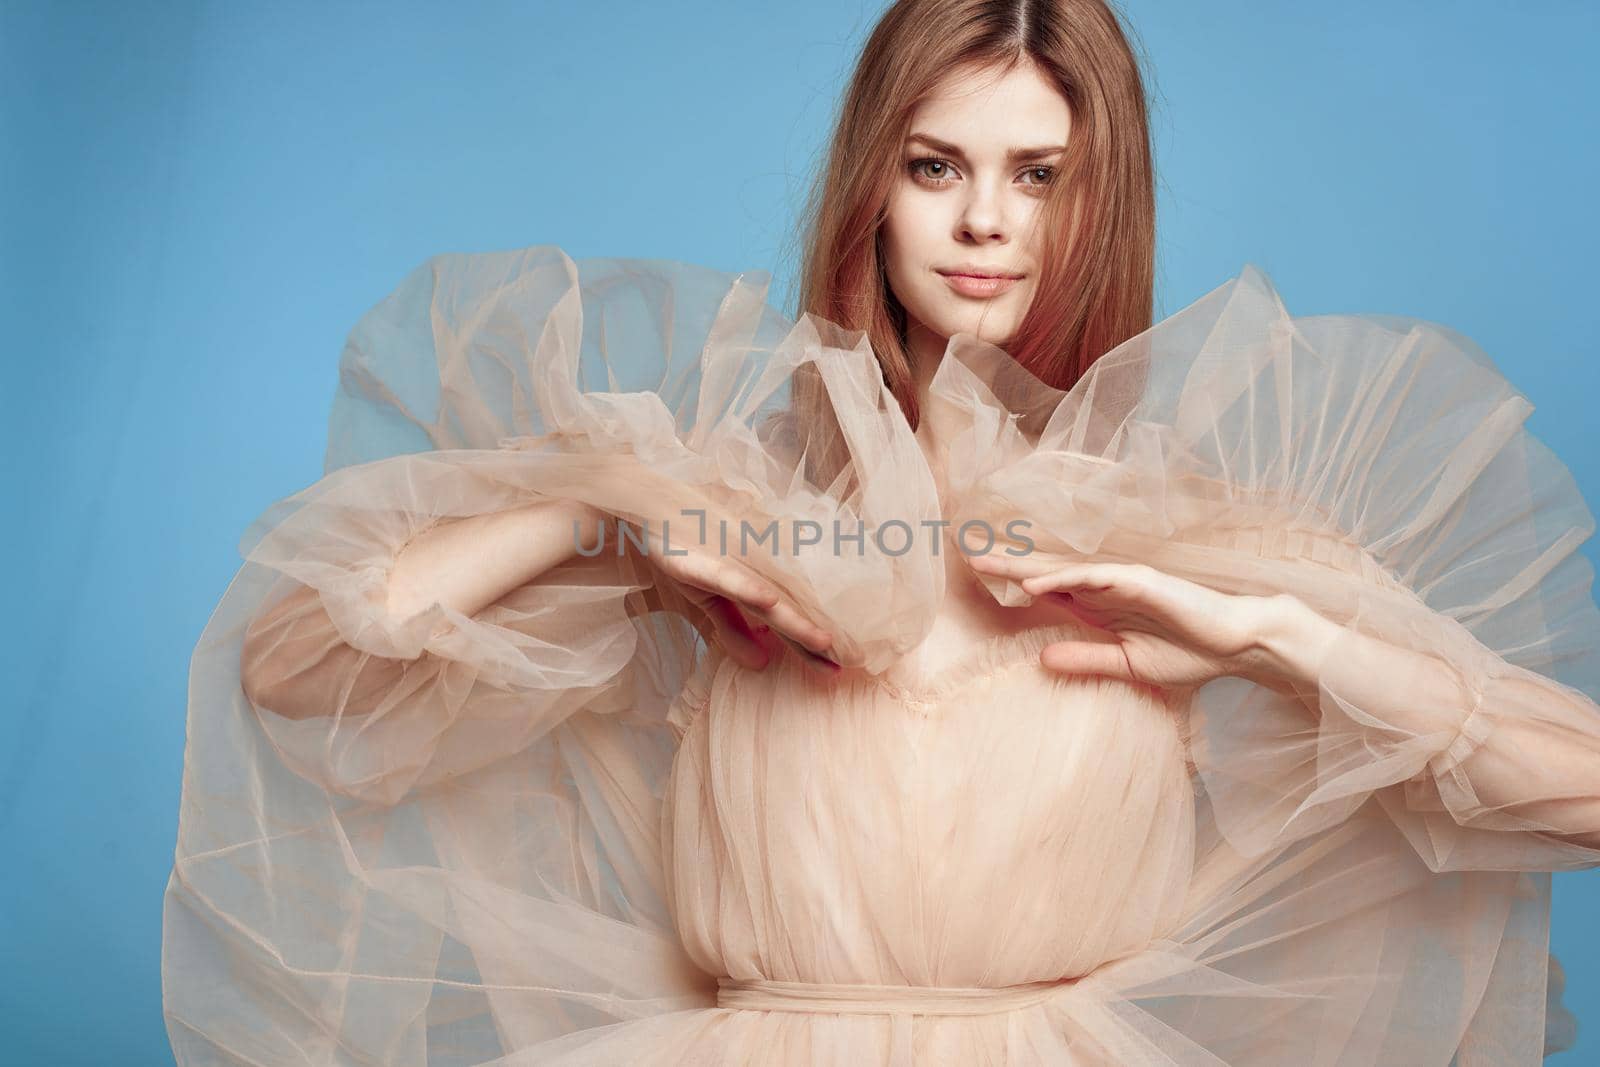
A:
{"points": [[1095, 287]]}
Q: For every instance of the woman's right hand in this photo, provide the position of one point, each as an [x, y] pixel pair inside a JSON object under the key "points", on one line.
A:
{"points": [[750, 614]]}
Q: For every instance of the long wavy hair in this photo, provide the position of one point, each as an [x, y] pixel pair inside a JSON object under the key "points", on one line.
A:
{"points": [[1097, 220]]}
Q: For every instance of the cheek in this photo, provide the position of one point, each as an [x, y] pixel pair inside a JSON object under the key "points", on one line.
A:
{"points": [[899, 235], [915, 219], [1032, 229], [902, 254]]}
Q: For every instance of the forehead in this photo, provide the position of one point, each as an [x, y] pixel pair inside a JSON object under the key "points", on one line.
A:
{"points": [[984, 108]]}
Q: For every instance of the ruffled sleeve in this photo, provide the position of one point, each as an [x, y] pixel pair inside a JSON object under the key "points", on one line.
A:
{"points": [[403, 704], [1378, 470], [516, 344], [446, 846]]}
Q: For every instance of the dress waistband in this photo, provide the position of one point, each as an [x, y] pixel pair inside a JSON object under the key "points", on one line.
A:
{"points": [[763, 994]]}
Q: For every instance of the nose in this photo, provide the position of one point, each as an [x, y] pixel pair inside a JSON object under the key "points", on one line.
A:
{"points": [[982, 216]]}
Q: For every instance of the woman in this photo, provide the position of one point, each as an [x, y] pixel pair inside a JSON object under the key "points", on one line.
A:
{"points": [[986, 675]]}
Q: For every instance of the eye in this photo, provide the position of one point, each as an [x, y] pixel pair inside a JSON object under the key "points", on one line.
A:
{"points": [[1048, 172], [936, 172], [921, 169]]}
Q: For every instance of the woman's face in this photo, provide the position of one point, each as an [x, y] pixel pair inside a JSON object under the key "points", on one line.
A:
{"points": [[975, 165]]}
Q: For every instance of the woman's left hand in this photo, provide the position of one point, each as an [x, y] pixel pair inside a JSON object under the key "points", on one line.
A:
{"points": [[1171, 632]]}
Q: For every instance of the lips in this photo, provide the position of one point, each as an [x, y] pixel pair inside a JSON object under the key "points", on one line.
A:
{"points": [[967, 271], [979, 286]]}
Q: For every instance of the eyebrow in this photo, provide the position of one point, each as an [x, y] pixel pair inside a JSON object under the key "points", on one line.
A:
{"points": [[1012, 155]]}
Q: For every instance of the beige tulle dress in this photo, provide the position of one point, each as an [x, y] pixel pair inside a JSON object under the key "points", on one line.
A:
{"points": [[569, 831]]}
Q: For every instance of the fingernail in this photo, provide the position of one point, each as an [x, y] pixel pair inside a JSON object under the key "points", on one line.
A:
{"points": [[822, 662]]}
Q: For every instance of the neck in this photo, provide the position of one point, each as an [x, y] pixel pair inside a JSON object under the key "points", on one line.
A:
{"points": [[926, 349]]}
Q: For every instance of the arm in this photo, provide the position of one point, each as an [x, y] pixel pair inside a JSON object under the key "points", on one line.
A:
{"points": [[1297, 719], [374, 665], [1518, 750], [293, 658]]}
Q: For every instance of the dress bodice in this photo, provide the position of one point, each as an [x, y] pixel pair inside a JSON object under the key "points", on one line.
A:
{"points": [[852, 829]]}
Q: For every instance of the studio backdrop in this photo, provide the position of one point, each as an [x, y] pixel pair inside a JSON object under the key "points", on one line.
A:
{"points": [[198, 200]]}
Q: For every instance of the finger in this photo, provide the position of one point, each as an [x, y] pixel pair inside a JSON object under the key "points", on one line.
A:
{"points": [[759, 629], [1087, 577], [1087, 657], [812, 660], [722, 576], [1079, 610], [784, 626], [736, 635], [758, 598], [785, 618], [1014, 567]]}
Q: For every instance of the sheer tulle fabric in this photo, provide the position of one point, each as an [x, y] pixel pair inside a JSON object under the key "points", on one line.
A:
{"points": [[565, 831]]}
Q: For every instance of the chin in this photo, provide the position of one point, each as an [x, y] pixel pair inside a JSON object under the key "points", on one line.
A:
{"points": [[997, 328], [945, 318]]}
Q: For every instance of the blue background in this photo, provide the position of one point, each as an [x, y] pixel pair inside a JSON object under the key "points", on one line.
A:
{"points": [[198, 200]]}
